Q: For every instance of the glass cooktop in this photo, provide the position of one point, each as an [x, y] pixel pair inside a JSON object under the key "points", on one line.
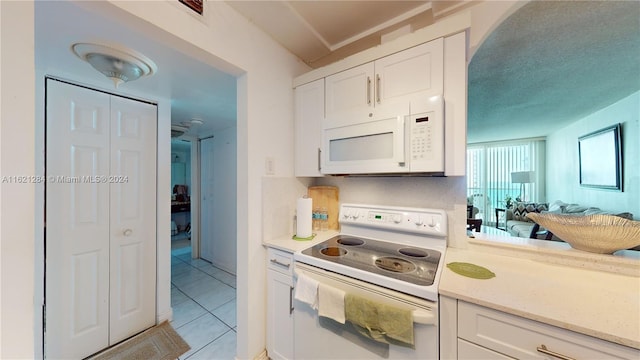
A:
{"points": [[402, 262]]}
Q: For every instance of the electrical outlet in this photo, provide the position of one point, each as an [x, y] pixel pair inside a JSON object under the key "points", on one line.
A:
{"points": [[270, 166]]}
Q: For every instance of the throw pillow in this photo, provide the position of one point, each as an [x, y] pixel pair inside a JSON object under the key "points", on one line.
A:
{"points": [[521, 209]]}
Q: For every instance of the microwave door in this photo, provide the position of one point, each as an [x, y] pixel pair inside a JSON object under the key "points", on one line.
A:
{"points": [[371, 147]]}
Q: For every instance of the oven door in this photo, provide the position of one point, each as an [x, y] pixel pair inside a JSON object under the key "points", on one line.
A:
{"points": [[374, 145], [320, 338]]}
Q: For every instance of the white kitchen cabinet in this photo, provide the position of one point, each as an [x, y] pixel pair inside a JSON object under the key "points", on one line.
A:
{"points": [[484, 333], [468, 350], [309, 114], [417, 71], [279, 304]]}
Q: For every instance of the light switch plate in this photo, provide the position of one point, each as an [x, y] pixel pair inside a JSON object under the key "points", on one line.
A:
{"points": [[270, 166]]}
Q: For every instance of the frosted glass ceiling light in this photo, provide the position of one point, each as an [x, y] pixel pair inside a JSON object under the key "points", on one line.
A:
{"points": [[117, 63]]}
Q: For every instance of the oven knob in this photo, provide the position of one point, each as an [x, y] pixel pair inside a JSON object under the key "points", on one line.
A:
{"points": [[397, 219], [356, 215], [433, 222], [419, 221]]}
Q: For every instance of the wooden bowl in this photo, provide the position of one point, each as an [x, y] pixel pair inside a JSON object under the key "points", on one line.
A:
{"points": [[602, 234]]}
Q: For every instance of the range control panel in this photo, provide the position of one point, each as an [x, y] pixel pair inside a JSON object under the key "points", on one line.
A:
{"points": [[415, 220]]}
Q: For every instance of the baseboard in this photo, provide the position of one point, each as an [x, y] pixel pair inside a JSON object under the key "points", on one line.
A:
{"points": [[166, 316], [261, 356]]}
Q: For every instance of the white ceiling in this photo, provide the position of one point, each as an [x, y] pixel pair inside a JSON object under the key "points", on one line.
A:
{"points": [[550, 63]]}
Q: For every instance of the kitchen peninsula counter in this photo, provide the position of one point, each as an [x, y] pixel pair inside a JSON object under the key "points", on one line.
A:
{"points": [[549, 282]]}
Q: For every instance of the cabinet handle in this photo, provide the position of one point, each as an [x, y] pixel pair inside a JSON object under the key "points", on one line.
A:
{"points": [[368, 90], [274, 261], [127, 232], [543, 349], [319, 154], [290, 299], [378, 88]]}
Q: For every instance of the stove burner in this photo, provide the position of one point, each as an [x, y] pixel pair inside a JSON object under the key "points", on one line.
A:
{"points": [[333, 251], [395, 264], [401, 262], [350, 241], [413, 252]]}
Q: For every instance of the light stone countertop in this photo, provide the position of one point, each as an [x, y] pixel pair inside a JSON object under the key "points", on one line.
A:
{"points": [[286, 243], [592, 294]]}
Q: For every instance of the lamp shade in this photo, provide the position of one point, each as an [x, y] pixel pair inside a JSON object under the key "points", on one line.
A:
{"points": [[523, 177]]}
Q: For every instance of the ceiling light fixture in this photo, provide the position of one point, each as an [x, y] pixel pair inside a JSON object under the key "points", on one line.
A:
{"points": [[115, 62]]}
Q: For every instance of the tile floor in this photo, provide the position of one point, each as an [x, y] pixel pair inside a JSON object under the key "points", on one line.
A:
{"points": [[203, 298]]}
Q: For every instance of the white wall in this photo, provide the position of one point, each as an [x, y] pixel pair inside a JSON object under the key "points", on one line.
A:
{"points": [[224, 211], [17, 158], [563, 175]]}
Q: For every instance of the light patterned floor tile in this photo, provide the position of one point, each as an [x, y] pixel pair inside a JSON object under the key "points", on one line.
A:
{"points": [[223, 348], [198, 288], [177, 296], [185, 312], [200, 332], [216, 297], [226, 313], [221, 275]]}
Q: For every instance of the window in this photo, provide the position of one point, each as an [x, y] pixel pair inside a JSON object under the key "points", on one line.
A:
{"points": [[490, 181]]}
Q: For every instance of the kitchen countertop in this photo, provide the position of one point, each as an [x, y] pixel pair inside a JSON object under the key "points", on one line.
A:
{"points": [[592, 294], [286, 243]]}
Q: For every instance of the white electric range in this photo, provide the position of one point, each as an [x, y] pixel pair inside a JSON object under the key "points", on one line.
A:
{"points": [[387, 254]]}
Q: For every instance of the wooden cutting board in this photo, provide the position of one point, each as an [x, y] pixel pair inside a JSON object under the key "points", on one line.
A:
{"points": [[326, 196]]}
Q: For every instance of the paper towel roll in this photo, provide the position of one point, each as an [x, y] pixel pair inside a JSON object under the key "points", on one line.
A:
{"points": [[303, 217]]}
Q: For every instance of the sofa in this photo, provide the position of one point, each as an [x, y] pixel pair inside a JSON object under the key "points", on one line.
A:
{"points": [[518, 224]]}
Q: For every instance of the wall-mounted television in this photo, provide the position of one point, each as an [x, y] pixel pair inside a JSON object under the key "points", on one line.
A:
{"points": [[600, 154]]}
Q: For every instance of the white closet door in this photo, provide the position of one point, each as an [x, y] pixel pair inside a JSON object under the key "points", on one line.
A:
{"points": [[77, 222], [133, 218], [100, 220]]}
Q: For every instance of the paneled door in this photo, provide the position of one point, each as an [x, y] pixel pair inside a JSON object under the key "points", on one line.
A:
{"points": [[133, 218], [207, 186], [100, 219]]}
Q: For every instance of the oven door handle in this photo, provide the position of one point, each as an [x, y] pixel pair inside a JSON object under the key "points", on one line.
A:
{"points": [[423, 317]]}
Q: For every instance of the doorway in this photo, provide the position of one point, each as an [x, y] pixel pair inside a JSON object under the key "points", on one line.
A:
{"points": [[181, 193]]}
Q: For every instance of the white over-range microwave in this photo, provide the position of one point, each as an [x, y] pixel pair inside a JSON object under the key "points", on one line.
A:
{"points": [[404, 138]]}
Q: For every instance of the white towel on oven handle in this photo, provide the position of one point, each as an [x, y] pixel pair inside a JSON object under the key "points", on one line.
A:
{"points": [[307, 290], [331, 303]]}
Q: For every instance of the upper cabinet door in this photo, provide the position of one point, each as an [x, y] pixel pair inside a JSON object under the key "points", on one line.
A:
{"points": [[401, 77], [415, 71], [309, 107], [350, 91]]}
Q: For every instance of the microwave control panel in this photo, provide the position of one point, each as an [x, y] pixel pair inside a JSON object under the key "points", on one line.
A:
{"points": [[421, 136], [426, 139]]}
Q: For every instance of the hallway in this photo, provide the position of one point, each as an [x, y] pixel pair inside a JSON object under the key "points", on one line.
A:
{"points": [[203, 298]]}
